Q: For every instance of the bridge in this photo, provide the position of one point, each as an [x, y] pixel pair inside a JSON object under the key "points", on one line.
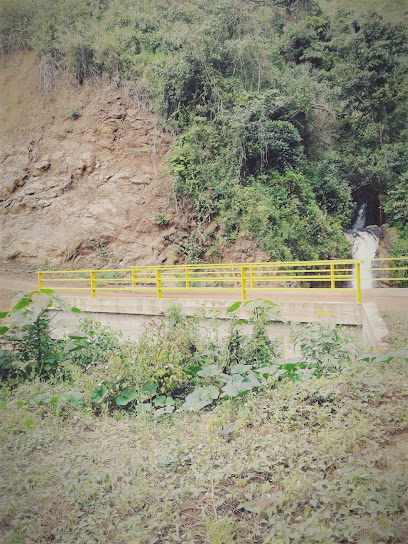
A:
{"points": [[335, 279], [306, 291]]}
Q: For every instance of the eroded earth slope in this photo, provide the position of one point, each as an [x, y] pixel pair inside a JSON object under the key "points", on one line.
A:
{"points": [[76, 188]]}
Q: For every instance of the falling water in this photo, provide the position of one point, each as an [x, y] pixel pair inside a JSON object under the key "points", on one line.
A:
{"points": [[365, 243]]}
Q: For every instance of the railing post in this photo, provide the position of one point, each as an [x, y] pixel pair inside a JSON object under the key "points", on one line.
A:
{"points": [[251, 269], [93, 290], [187, 278], [358, 282], [158, 283], [40, 281], [133, 278], [243, 283], [332, 280]]}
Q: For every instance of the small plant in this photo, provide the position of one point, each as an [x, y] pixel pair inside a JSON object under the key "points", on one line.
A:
{"points": [[161, 220], [73, 114], [101, 342], [322, 343], [28, 349]]}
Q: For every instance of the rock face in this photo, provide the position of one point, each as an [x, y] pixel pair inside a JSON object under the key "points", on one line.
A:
{"points": [[89, 192], [84, 190]]}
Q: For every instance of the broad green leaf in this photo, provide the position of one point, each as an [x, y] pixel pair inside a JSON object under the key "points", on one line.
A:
{"points": [[163, 401], [77, 336], [368, 357], [234, 307], [99, 393], [41, 301], [306, 373], [209, 371], [60, 302], [159, 401], [3, 330], [235, 378], [142, 409], [3, 315], [75, 310], [46, 291], [164, 411], [22, 303], [240, 369], [72, 346], [148, 390], [17, 297], [200, 397], [21, 365], [74, 399], [253, 304], [385, 358], [252, 379], [126, 397], [289, 366], [192, 370], [232, 389], [265, 370]]}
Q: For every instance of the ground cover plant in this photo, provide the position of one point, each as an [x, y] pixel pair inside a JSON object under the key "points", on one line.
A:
{"points": [[240, 445]]}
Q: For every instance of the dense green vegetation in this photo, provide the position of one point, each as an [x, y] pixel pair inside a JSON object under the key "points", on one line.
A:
{"points": [[284, 110]]}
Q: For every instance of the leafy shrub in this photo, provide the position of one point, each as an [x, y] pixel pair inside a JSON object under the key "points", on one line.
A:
{"points": [[396, 207], [400, 249], [165, 350], [100, 342], [324, 344], [160, 359], [28, 348]]}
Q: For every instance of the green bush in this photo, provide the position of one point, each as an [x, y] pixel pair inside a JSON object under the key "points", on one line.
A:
{"points": [[28, 348], [100, 343]]}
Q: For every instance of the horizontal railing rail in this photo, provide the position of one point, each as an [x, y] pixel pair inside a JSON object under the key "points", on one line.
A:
{"points": [[394, 274], [242, 278]]}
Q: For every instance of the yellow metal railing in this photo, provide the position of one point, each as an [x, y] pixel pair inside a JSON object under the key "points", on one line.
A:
{"points": [[244, 278], [394, 272]]}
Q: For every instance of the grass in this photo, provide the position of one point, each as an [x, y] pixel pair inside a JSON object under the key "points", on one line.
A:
{"points": [[397, 324], [320, 461]]}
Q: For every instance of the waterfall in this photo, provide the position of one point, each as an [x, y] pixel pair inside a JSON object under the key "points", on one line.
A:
{"points": [[365, 242]]}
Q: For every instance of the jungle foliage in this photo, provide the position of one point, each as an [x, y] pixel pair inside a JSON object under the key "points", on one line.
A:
{"points": [[284, 111]]}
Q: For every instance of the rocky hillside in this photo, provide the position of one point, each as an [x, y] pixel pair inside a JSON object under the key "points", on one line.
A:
{"points": [[85, 191], [77, 188]]}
